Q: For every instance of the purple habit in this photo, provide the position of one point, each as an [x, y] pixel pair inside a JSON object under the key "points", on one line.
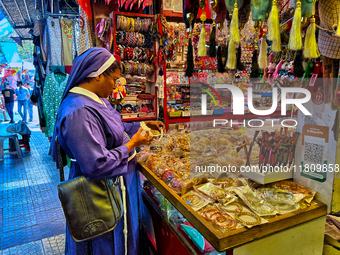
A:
{"points": [[80, 126]]}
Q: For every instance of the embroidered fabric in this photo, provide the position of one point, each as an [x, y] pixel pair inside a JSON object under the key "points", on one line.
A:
{"points": [[67, 32], [53, 92], [86, 37], [75, 46], [52, 43]]}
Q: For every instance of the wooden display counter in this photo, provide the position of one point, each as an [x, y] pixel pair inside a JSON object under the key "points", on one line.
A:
{"points": [[238, 237]]}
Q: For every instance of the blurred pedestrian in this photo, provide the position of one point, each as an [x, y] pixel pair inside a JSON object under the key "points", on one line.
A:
{"points": [[22, 95], [8, 94], [29, 104]]}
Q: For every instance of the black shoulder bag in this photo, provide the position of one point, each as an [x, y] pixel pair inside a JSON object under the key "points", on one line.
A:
{"points": [[91, 207]]}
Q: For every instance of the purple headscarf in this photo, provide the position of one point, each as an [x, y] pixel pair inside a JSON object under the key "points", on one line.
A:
{"points": [[87, 65]]}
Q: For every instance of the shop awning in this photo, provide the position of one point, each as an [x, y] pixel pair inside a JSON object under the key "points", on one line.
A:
{"points": [[21, 14]]}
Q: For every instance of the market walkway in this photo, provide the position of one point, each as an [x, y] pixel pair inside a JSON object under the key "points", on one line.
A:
{"points": [[31, 217]]}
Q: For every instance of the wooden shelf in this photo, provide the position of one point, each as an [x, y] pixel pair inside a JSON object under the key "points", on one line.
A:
{"points": [[224, 241]]}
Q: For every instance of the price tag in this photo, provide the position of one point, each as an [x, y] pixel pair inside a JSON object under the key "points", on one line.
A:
{"points": [[313, 80]]}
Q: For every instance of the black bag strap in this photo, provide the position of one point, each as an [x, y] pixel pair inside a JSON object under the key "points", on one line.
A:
{"points": [[62, 161]]}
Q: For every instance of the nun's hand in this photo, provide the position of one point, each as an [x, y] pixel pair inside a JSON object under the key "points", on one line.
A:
{"points": [[155, 125], [139, 139]]}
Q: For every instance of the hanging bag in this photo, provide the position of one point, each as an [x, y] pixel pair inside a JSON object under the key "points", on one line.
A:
{"points": [[91, 207]]}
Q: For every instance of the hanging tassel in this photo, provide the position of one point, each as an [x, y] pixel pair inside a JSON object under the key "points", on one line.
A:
{"points": [[295, 40], [274, 28], [263, 63], [298, 68], [212, 43], [239, 64], [225, 55], [254, 65], [190, 60], [202, 50], [311, 48], [234, 33], [220, 66], [338, 28], [231, 62]]}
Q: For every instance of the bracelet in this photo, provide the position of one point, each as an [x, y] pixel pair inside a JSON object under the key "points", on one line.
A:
{"points": [[132, 25], [239, 208], [119, 22], [136, 25], [125, 23], [257, 218]]}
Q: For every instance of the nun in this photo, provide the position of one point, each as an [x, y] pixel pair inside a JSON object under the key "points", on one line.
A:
{"points": [[86, 124]]}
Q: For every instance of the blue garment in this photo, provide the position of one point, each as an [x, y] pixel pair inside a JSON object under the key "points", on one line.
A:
{"points": [[22, 104], [9, 108], [80, 126], [22, 93], [30, 109]]}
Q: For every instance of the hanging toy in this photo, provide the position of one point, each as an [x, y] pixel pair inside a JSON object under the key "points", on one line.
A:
{"points": [[295, 39], [263, 53], [311, 48], [202, 50], [212, 41], [269, 70], [274, 28]]}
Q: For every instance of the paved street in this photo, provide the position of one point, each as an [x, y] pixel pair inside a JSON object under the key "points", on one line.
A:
{"points": [[31, 217]]}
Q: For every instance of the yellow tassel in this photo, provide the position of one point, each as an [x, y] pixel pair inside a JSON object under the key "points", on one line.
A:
{"points": [[311, 48], [234, 33], [295, 40], [202, 50], [274, 28], [263, 63], [231, 62], [338, 28]]}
